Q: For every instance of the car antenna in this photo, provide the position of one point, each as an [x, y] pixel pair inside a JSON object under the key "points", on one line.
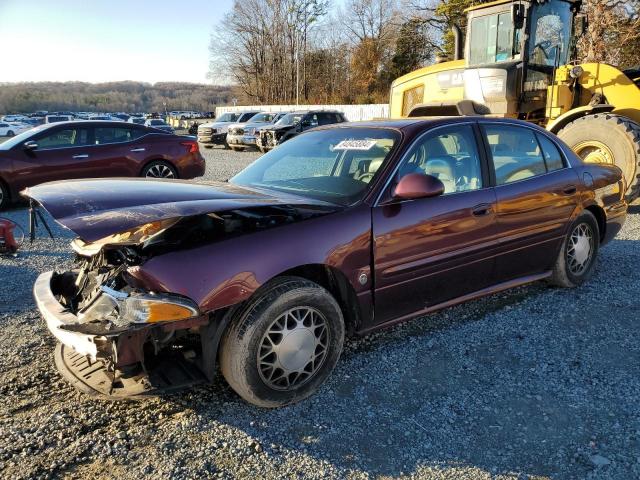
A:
{"points": [[34, 214]]}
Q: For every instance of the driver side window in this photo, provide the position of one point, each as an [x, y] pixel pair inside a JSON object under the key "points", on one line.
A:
{"points": [[449, 154]]}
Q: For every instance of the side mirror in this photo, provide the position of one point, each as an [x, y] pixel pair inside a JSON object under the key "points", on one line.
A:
{"points": [[517, 15], [30, 145], [418, 185]]}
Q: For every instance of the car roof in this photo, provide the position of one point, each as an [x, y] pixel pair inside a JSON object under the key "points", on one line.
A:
{"points": [[417, 122]]}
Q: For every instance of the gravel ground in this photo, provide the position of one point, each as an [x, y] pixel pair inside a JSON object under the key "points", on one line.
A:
{"points": [[532, 383]]}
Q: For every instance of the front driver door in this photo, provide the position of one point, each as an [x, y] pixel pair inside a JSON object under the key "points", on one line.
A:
{"points": [[63, 153], [431, 250]]}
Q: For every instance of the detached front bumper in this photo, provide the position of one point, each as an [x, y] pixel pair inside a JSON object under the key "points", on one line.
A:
{"points": [[90, 362], [57, 316]]}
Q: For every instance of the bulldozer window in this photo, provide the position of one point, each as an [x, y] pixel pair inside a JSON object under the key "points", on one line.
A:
{"points": [[551, 28], [491, 39]]}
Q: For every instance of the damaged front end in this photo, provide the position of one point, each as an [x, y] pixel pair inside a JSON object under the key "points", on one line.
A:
{"points": [[121, 333], [117, 338]]}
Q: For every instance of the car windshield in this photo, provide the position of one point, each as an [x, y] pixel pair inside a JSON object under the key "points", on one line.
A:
{"points": [[290, 119], [334, 165], [262, 118], [227, 117], [13, 141], [157, 122]]}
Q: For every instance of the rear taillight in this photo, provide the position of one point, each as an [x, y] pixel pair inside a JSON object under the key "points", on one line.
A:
{"points": [[193, 146]]}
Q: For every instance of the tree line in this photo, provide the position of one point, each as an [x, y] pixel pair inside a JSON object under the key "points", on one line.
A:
{"points": [[111, 97], [316, 51]]}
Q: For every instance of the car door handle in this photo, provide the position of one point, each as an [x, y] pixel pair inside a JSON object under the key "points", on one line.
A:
{"points": [[482, 210], [141, 149], [569, 190], [82, 155]]}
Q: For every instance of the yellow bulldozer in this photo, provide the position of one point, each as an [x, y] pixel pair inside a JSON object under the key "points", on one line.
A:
{"points": [[519, 61]]}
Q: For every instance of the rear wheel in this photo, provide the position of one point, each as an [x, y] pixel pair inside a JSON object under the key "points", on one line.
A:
{"points": [[577, 256], [159, 169], [611, 139], [284, 344]]}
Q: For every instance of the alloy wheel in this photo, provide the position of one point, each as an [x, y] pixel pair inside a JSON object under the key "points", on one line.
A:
{"points": [[293, 348], [580, 249], [159, 171]]}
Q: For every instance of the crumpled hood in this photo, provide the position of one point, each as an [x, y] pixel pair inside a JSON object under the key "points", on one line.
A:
{"points": [[96, 208]]}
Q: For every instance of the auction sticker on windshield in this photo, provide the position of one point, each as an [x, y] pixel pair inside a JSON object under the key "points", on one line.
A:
{"points": [[355, 145]]}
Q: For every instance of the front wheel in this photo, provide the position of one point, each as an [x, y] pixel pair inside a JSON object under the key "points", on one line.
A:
{"points": [[10, 133], [283, 344], [577, 257], [159, 169]]}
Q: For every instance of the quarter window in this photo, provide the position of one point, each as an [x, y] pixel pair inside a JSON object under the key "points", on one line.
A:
{"points": [[451, 155], [552, 156], [515, 152]]}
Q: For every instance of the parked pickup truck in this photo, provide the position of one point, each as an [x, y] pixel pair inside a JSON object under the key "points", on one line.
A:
{"points": [[215, 133]]}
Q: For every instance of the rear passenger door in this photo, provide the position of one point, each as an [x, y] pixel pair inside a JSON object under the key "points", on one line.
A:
{"points": [[115, 154], [537, 193]]}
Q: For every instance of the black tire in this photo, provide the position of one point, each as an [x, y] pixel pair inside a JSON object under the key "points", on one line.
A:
{"points": [[262, 150], [155, 169], [226, 146], [622, 137], [563, 274], [247, 335], [10, 133], [4, 196]]}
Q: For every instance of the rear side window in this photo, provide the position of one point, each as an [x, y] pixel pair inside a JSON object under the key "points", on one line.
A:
{"points": [[515, 152], [551, 154], [104, 135], [326, 118]]}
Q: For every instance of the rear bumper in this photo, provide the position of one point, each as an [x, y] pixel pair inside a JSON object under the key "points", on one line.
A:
{"points": [[193, 165], [57, 316]]}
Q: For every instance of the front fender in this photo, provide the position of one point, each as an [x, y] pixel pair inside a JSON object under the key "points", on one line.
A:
{"points": [[566, 118], [228, 272]]}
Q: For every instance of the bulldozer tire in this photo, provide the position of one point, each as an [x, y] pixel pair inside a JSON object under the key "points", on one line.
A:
{"points": [[608, 138]]}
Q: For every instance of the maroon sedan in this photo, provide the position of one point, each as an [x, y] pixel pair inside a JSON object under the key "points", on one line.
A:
{"points": [[342, 230], [87, 149]]}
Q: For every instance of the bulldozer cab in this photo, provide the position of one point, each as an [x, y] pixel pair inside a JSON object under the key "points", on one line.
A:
{"points": [[512, 51]]}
